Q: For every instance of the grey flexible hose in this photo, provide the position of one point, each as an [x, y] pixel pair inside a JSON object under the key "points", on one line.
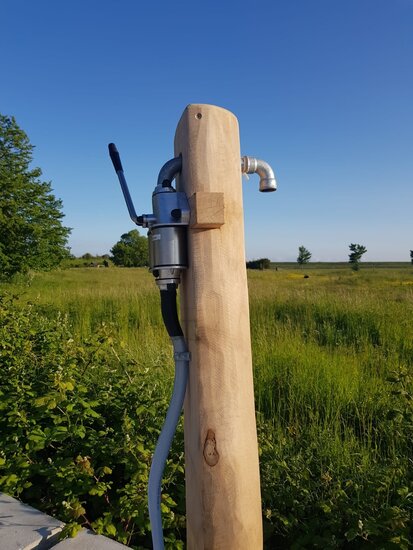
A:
{"points": [[163, 445]]}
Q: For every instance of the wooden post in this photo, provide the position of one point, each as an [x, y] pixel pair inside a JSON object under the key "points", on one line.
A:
{"points": [[223, 503]]}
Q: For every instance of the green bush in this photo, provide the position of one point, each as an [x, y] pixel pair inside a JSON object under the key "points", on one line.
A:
{"points": [[314, 498], [78, 426], [79, 421]]}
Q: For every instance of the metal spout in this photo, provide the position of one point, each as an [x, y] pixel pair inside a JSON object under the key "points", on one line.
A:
{"points": [[251, 165]]}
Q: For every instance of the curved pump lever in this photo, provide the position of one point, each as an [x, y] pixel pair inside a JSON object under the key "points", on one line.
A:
{"points": [[114, 155]]}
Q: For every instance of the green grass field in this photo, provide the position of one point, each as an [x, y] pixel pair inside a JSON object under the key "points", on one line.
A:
{"points": [[333, 357]]}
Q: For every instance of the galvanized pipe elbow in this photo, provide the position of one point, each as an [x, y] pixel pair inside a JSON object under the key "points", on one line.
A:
{"points": [[251, 165], [169, 170]]}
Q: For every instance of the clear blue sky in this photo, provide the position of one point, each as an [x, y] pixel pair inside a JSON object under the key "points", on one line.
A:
{"points": [[322, 89]]}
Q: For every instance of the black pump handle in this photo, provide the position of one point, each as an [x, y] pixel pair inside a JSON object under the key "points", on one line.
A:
{"points": [[114, 155]]}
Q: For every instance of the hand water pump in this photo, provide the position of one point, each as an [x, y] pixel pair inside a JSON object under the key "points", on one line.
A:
{"points": [[168, 257]]}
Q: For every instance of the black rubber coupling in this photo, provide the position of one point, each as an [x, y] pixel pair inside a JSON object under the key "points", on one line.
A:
{"points": [[170, 311]]}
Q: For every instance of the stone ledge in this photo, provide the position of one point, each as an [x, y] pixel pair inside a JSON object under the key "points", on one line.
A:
{"points": [[86, 540], [25, 528]]}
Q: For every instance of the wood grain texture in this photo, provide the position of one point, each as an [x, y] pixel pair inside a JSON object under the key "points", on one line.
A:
{"points": [[223, 503], [207, 210]]}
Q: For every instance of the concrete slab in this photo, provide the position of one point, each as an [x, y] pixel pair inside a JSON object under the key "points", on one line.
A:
{"points": [[86, 540], [24, 528]]}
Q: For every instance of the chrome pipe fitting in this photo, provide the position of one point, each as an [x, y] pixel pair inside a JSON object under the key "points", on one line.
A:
{"points": [[252, 165]]}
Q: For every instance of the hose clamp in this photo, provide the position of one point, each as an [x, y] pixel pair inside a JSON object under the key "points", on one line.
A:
{"points": [[182, 356]]}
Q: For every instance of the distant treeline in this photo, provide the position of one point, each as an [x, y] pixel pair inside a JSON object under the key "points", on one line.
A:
{"points": [[88, 260], [255, 264], [262, 263]]}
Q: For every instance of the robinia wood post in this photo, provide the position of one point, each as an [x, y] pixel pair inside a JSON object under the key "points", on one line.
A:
{"points": [[223, 502]]}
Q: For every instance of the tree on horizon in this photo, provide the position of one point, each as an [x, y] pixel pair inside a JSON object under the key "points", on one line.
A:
{"points": [[304, 255], [356, 252], [32, 235], [131, 250]]}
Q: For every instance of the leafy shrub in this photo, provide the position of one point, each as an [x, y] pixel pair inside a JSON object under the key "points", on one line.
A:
{"points": [[314, 497], [78, 426], [79, 421]]}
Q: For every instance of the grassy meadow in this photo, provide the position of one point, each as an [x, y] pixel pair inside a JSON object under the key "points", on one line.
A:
{"points": [[332, 357]]}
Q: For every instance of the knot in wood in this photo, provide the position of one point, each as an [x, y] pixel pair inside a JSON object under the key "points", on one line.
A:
{"points": [[211, 454]]}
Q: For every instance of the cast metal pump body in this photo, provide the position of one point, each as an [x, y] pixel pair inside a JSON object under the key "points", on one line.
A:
{"points": [[167, 224], [167, 234]]}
